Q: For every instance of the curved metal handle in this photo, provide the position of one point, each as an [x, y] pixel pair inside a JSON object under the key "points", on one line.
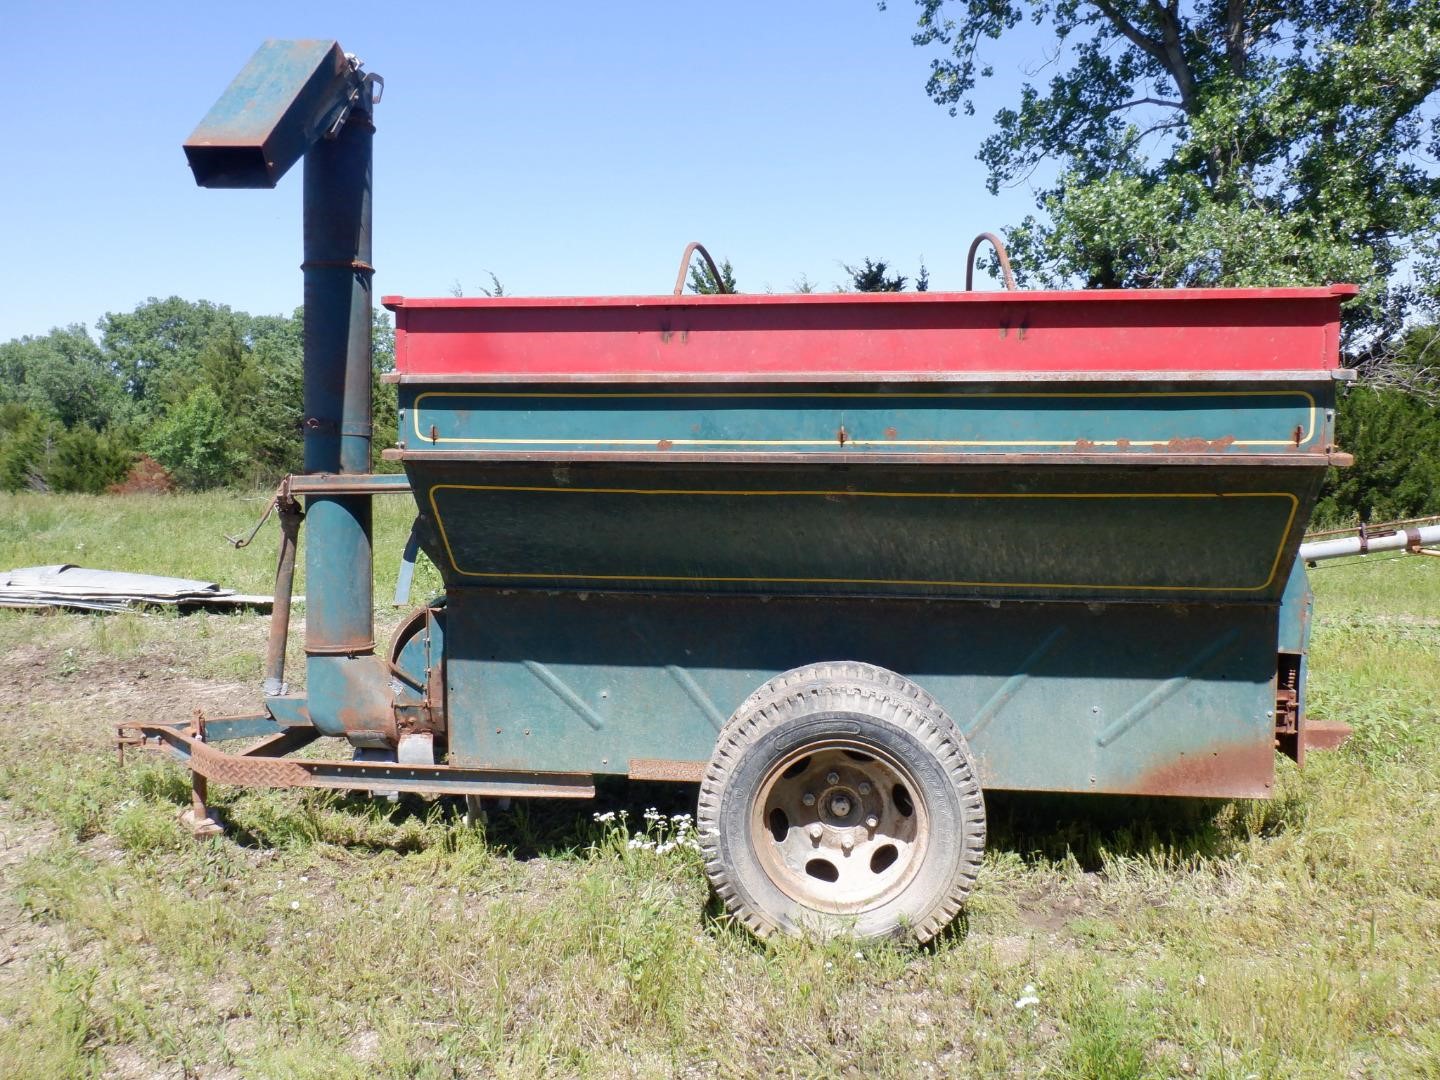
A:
{"points": [[1001, 253], [690, 250]]}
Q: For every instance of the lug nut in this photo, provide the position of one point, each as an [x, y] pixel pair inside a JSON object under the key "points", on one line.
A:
{"points": [[832, 778], [864, 788], [872, 821], [808, 798], [816, 832], [846, 845]]}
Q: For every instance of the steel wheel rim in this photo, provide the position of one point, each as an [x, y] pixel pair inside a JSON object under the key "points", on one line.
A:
{"points": [[840, 826]]}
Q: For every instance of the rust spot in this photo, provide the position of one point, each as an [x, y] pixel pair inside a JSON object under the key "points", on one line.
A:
{"points": [[1186, 446], [1084, 444], [664, 444], [1227, 772], [1180, 446], [1324, 734], [1297, 434], [1122, 444], [1197, 446], [842, 435], [891, 433], [691, 772]]}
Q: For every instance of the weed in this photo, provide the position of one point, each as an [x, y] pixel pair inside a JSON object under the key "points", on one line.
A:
{"points": [[1108, 1034], [58, 1026]]}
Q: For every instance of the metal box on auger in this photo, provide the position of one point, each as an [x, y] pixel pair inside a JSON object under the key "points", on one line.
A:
{"points": [[845, 561]]}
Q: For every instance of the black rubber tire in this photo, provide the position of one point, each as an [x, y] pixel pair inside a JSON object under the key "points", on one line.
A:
{"points": [[864, 706]]}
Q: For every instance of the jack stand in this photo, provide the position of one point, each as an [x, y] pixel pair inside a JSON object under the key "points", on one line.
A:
{"points": [[198, 819]]}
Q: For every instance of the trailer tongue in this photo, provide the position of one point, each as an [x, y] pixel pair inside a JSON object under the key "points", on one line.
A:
{"points": [[843, 560]]}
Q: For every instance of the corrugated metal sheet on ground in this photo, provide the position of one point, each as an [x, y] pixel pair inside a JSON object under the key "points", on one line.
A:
{"points": [[70, 586]]}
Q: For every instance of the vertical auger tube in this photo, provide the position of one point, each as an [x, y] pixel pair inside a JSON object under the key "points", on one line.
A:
{"points": [[339, 619], [310, 99]]}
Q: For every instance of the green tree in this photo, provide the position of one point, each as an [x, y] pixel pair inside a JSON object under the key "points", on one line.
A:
{"points": [[1394, 436], [84, 460], [154, 349], [872, 277], [277, 347], [385, 403], [1244, 142], [27, 444], [704, 281], [196, 442], [63, 375]]}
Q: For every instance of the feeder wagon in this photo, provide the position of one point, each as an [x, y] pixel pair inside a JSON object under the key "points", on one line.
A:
{"points": [[846, 562]]}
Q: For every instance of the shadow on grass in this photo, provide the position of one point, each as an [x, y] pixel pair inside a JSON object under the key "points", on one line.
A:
{"points": [[1040, 829], [549, 828], [1056, 828], [523, 830]]}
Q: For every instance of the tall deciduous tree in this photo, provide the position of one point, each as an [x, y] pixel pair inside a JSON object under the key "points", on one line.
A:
{"points": [[154, 348], [63, 375], [1216, 142]]}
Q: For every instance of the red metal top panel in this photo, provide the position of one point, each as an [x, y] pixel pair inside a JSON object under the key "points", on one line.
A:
{"points": [[924, 334]]}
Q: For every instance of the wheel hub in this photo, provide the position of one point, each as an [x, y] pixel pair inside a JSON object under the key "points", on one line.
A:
{"points": [[838, 827]]}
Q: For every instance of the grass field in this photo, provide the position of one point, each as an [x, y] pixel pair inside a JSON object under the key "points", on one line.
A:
{"points": [[330, 937]]}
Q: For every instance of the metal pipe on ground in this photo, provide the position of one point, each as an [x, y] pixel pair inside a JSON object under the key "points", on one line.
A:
{"points": [[1409, 539]]}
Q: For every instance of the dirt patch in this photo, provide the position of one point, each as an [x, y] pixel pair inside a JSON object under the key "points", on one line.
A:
{"points": [[1050, 911], [71, 694]]}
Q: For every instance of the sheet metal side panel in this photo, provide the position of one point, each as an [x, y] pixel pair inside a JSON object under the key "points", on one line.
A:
{"points": [[1000, 419], [1142, 699], [937, 332], [1187, 534]]}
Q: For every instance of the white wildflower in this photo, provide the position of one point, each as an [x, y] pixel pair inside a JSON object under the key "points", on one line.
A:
{"points": [[1027, 997]]}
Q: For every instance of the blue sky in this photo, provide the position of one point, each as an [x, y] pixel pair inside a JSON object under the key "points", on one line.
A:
{"points": [[571, 148]]}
